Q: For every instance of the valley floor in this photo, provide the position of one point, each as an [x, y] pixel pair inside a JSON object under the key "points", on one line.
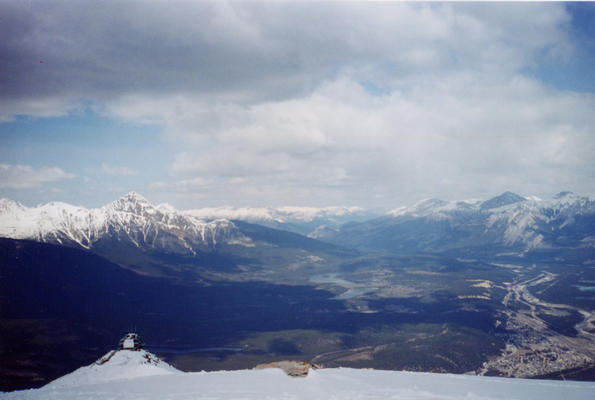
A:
{"points": [[534, 349]]}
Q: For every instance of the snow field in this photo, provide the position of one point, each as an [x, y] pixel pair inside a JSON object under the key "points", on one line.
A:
{"points": [[327, 384]]}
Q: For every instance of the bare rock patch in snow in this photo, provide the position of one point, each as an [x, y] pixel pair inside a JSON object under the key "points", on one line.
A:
{"points": [[291, 368]]}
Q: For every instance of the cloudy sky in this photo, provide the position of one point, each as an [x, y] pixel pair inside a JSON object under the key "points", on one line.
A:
{"points": [[280, 103]]}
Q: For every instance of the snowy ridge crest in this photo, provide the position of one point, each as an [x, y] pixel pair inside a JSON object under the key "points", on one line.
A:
{"points": [[509, 219], [131, 219], [507, 201], [436, 208], [281, 214]]}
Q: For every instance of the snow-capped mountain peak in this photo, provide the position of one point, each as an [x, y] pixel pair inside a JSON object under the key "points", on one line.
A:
{"points": [[130, 220], [8, 205], [504, 199], [508, 222], [133, 203], [563, 194], [430, 207]]}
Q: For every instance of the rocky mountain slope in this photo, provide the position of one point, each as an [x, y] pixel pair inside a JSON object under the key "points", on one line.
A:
{"points": [[508, 222], [130, 220], [162, 241], [505, 223]]}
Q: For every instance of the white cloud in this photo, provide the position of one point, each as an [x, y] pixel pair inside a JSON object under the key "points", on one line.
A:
{"points": [[322, 103], [182, 186], [107, 169], [25, 176], [457, 134], [245, 52], [48, 106]]}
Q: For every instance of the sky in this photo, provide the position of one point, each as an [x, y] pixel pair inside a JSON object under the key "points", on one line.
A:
{"points": [[373, 104]]}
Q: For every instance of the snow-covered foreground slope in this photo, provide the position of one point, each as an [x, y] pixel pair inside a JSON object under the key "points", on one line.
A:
{"points": [[115, 366], [138, 375]]}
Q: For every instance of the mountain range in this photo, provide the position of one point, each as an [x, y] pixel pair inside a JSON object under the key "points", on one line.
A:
{"points": [[162, 241], [508, 222], [130, 219], [302, 220]]}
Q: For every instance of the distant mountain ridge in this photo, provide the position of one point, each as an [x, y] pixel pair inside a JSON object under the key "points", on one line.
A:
{"points": [[506, 222], [157, 240], [280, 214], [504, 199], [133, 221], [130, 219], [302, 220]]}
